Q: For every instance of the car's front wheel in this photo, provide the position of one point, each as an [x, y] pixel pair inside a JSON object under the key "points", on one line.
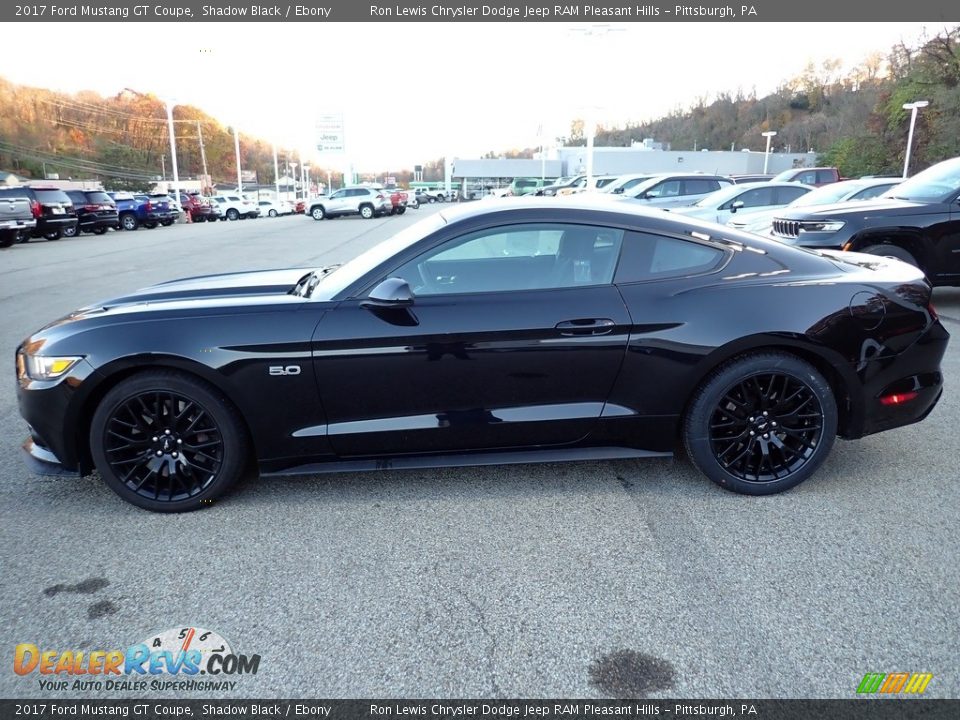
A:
{"points": [[366, 212], [232, 214], [128, 221], [317, 212], [167, 442], [761, 424]]}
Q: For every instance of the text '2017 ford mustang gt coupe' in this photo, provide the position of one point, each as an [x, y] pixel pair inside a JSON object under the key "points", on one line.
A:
{"points": [[509, 331]]}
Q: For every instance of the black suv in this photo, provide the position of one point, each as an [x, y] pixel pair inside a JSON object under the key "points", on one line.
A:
{"points": [[917, 221], [96, 212], [52, 208]]}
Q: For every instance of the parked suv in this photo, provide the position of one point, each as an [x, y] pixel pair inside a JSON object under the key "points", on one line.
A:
{"points": [[96, 212], [918, 221], [674, 190], [199, 207], [363, 201], [235, 207], [16, 216], [52, 209]]}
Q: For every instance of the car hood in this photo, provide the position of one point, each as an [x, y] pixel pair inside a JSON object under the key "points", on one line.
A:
{"points": [[860, 208], [208, 287]]}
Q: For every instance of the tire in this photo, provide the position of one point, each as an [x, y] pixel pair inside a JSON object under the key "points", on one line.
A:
{"points": [[69, 232], [431, 200], [53, 235], [893, 251], [100, 231], [128, 221], [317, 212], [7, 238], [187, 475], [401, 210], [272, 213], [232, 214], [150, 224], [415, 204], [731, 439], [166, 223], [367, 212]]}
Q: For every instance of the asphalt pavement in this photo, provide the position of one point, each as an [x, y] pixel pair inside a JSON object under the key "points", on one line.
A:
{"points": [[586, 579]]}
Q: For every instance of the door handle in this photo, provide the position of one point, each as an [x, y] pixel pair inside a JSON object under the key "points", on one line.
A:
{"points": [[586, 326]]}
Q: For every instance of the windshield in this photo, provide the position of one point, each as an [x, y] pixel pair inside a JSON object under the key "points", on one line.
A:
{"points": [[784, 176], [718, 197], [832, 193], [935, 184], [336, 282]]}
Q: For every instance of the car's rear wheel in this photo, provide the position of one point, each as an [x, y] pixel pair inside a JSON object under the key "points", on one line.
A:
{"points": [[401, 210], [71, 231], [366, 212], [761, 424], [7, 238], [129, 221], [150, 224], [892, 251], [100, 231], [317, 213], [167, 442], [415, 204], [232, 214], [53, 235], [166, 223], [272, 213]]}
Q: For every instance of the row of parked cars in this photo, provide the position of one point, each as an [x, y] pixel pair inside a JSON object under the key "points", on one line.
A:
{"points": [[370, 201], [915, 220], [52, 213]]}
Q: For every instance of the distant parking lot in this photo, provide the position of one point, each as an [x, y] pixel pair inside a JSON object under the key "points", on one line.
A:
{"points": [[524, 581]]}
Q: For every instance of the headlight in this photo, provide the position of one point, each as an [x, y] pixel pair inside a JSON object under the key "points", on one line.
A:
{"points": [[41, 367], [828, 226]]}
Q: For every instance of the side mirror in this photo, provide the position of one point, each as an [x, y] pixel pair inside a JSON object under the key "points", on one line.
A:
{"points": [[391, 293], [736, 206]]}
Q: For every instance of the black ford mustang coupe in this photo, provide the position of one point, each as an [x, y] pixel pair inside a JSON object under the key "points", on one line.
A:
{"points": [[500, 332]]}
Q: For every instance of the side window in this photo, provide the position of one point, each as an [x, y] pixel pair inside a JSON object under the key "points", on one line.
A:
{"points": [[788, 195], [646, 256], [825, 176], [534, 256], [699, 187], [807, 178], [668, 188], [758, 197]]}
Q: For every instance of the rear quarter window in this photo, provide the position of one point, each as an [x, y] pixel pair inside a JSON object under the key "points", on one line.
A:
{"points": [[646, 257]]}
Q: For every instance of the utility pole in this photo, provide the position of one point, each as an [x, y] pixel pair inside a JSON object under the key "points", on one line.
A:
{"points": [[203, 155], [276, 174], [236, 147], [163, 167]]}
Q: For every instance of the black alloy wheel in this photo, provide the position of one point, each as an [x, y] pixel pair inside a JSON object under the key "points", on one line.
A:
{"points": [[167, 442], [71, 231], [761, 424]]}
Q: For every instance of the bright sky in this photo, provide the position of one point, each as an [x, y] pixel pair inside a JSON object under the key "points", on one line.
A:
{"points": [[413, 92]]}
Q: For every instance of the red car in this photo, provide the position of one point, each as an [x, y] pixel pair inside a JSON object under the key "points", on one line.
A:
{"points": [[300, 207]]}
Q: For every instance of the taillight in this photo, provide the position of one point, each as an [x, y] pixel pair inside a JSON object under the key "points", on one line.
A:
{"points": [[35, 208], [897, 398], [91, 208], [149, 206]]}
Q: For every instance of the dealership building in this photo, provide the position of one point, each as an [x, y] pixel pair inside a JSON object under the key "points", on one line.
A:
{"points": [[477, 175]]}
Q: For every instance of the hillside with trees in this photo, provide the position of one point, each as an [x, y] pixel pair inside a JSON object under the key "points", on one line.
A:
{"points": [[854, 120]]}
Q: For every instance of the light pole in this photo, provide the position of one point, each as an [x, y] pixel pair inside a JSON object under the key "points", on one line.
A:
{"points": [[236, 147], [294, 178], [173, 153], [766, 158], [912, 107], [306, 182]]}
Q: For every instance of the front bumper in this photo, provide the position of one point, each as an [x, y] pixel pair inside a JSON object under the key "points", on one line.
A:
{"points": [[41, 461]]}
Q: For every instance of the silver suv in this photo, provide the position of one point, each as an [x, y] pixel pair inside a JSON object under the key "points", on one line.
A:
{"points": [[674, 190], [363, 201]]}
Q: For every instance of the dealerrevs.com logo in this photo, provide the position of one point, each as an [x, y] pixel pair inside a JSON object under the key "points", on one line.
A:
{"points": [[171, 660]]}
